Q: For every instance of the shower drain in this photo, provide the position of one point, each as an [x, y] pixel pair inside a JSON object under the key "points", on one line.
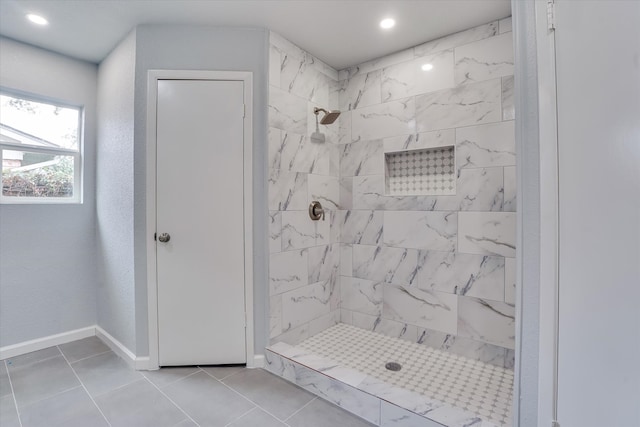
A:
{"points": [[393, 366]]}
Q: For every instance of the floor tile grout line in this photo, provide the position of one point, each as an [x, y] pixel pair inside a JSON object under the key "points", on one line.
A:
{"points": [[246, 413], [172, 382], [303, 406], [171, 400], [246, 398], [88, 357], [220, 379], [13, 394], [85, 388]]}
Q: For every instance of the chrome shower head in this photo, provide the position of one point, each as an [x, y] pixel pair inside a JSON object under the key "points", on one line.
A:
{"points": [[329, 116]]}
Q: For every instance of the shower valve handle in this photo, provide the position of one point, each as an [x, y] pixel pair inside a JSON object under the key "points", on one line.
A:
{"points": [[316, 211]]}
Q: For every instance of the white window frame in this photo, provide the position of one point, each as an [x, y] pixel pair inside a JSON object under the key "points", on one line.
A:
{"points": [[77, 155]]}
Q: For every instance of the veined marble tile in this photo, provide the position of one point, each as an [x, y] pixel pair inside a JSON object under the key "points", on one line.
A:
{"points": [[285, 45], [362, 158], [322, 229], [287, 112], [465, 105], [392, 416], [300, 77], [480, 189], [287, 190], [346, 316], [292, 336], [410, 79], [480, 276], [345, 127], [505, 25], [396, 329], [510, 280], [279, 365], [362, 227], [510, 184], [304, 304], [346, 192], [334, 94], [489, 321], [487, 233], [367, 322], [346, 260], [297, 153], [429, 309], [360, 91], [485, 59], [274, 66], [324, 189], [475, 350], [486, 145], [275, 231], [508, 107], [418, 141], [338, 393], [325, 322], [327, 70], [457, 39], [275, 316], [288, 271], [384, 120], [376, 64], [324, 261], [363, 296], [298, 231], [421, 230], [385, 264], [335, 227]]}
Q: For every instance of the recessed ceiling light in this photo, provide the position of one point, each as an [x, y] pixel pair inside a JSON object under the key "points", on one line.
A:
{"points": [[387, 23], [427, 67], [37, 19]]}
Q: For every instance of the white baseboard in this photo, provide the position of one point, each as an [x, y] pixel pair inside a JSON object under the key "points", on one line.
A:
{"points": [[117, 347], [258, 361], [45, 342]]}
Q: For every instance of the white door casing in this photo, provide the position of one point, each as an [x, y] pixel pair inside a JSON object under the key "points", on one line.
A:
{"points": [[210, 243]]}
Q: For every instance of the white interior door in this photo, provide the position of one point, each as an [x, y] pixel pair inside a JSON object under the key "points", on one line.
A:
{"points": [[200, 270]]}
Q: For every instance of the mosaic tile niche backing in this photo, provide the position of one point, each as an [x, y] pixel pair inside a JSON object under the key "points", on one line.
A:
{"points": [[429, 171]]}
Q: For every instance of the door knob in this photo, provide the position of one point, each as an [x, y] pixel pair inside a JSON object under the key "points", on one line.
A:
{"points": [[164, 237]]}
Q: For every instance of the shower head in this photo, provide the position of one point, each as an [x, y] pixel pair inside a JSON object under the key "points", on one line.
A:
{"points": [[329, 116]]}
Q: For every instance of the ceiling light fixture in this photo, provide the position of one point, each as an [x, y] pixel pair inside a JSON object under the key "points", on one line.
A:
{"points": [[427, 67], [387, 23], [37, 19]]}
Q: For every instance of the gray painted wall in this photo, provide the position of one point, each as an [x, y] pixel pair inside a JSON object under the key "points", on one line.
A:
{"points": [[202, 48], [47, 252], [115, 198]]}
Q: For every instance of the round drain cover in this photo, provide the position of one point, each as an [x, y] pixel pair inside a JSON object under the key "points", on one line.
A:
{"points": [[393, 366]]}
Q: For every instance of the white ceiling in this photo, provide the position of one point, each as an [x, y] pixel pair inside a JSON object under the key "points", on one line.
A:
{"points": [[339, 32]]}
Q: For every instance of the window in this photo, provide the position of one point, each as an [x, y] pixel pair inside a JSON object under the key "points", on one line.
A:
{"points": [[40, 150]]}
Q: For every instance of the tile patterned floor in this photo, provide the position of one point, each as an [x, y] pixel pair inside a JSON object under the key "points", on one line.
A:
{"points": [[84, 384], [464, 383]]}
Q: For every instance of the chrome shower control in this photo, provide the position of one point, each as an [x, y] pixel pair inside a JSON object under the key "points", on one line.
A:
{"points": [[316, 211], [164, 237]]}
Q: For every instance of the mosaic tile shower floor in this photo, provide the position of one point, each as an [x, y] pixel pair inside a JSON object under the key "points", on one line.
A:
{"points": [[461, 382]]}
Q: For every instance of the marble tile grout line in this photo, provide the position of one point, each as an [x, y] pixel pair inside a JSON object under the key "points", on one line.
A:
{"points": [[84, 388], [170, 400]]}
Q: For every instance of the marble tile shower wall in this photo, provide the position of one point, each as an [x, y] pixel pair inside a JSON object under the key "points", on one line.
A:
{"points": [[304, 254], [437, 270]]}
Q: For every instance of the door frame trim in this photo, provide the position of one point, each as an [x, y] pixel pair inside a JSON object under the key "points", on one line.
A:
{"points": [[152, 285]]}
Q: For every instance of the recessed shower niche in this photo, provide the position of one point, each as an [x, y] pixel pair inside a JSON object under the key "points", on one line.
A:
{"points": [[424, 172]]}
